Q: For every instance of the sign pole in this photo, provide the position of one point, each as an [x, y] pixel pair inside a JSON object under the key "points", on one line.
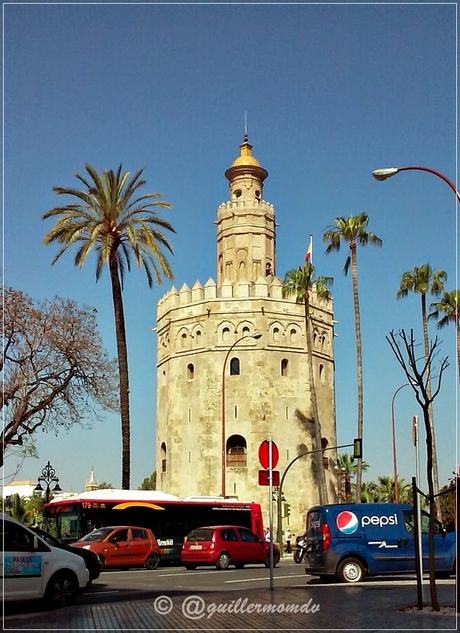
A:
{"points": [[270, 506]]}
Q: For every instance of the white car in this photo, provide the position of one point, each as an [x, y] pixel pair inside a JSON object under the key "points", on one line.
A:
{"points": [[33, 569]]}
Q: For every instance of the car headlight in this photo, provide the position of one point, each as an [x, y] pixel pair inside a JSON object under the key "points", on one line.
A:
{"points": [[86, 547]]}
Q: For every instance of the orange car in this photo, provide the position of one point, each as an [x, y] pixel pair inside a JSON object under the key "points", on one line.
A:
{"points": [[123, 546]]}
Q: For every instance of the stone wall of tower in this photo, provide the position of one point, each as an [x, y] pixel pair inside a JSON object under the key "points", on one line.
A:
{"points": [[270, 396], [267, 387]]}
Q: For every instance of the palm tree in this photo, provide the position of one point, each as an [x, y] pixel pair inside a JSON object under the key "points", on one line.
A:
{"points": [[370, 492], [301, 282], [353, 230], [448, 307], [110, 217], [346, 469], [424, 280], [386, 493]]}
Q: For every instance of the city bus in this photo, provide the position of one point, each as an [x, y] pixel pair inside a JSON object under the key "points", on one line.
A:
{"points": [[70, 516]]}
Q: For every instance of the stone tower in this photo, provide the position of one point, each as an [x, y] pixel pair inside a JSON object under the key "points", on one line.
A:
{"points": [[232, 366]]}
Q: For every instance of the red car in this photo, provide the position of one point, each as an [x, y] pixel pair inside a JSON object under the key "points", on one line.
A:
{"points": [[123, 546], [224, 545]]}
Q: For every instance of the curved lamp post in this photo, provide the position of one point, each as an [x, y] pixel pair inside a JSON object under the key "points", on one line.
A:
{"points": [[393, 435], [388, 172], [256, 335]]}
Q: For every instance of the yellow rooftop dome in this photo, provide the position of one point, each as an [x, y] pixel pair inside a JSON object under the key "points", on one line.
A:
{"points": [[246, 159]]}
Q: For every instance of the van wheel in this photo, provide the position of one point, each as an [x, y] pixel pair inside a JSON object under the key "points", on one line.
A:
{"points": [[61, 590], [152, 561], [223, 561], [351, 570]]}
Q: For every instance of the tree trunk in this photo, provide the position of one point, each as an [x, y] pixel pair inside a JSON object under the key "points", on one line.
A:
{"points": [[318, 457], [430, 409], [122, 354], [458, 349], [429, 474], [359, 364]]}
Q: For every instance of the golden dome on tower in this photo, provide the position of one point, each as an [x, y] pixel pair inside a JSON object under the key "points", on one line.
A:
{"points": [[246, 162]]}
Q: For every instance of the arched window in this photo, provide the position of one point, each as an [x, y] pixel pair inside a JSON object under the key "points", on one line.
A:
{"points": [[245, 330], [322, 373], [235, 367], [190, 371], [293, 335], [284, 366], [236, 450], [163, 457], [225, 334], [183, 339], [276, 334]]}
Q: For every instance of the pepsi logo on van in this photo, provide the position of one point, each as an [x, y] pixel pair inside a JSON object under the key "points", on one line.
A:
{"points": [[347, 522]]}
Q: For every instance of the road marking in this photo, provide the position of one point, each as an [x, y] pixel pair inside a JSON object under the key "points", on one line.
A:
{"points": [[266, 578], [93, 593], [195, 573]]}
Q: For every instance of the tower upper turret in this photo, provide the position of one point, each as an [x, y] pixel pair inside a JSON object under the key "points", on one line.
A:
{"points": [[245, 224]]}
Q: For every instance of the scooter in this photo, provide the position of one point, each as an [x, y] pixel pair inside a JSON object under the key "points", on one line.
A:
{"points": [[300, 548]]}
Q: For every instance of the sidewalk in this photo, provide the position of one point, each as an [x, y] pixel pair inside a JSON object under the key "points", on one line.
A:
{"points": [[308, 607]]}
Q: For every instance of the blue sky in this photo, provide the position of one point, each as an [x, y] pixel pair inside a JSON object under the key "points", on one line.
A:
{"points": [[332, 92]]}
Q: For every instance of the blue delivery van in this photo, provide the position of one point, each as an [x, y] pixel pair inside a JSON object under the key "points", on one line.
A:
{"points": [[352, 541]]}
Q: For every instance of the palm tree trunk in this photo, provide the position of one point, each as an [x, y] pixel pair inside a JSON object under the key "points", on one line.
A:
{"points": [[458, 350], [430, 409], [359, 364], [122, 354], [318, 457]]}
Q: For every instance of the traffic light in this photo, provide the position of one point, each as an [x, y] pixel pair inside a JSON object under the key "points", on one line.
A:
{"points": [[357, 448], [287, 510]]}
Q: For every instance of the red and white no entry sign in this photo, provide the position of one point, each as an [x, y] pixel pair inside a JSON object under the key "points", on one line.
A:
{"points": [[264, 454]]}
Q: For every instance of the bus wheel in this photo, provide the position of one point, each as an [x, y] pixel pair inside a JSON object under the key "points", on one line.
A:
{"points": [[351, 570], [61, 590], [152, 561], [223, 561]]}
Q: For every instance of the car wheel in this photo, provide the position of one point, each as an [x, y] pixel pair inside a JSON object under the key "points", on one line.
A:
{"points": [[223, 561], [351, 570], [276, 560], [190, 567], [61, 590], [152, 561], [102, 561]]}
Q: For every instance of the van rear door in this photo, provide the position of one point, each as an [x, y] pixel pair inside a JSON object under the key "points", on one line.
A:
{"points": [[314, 539]]}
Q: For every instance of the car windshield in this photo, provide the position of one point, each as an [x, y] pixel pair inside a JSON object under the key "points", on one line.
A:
{"points": [[202, 534], [97, 535], [47, 537]]}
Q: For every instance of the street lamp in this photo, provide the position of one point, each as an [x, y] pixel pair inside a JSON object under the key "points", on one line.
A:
{"points": [[393, 435], [256, 335], [388, 172], [47, 477]]}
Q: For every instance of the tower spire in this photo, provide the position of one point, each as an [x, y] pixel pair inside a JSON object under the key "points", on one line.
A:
{"points": [[245, 137]]}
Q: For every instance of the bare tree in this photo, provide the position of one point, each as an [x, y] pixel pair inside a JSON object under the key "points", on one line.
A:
{"points": [[418, 376], [54, 370]]}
